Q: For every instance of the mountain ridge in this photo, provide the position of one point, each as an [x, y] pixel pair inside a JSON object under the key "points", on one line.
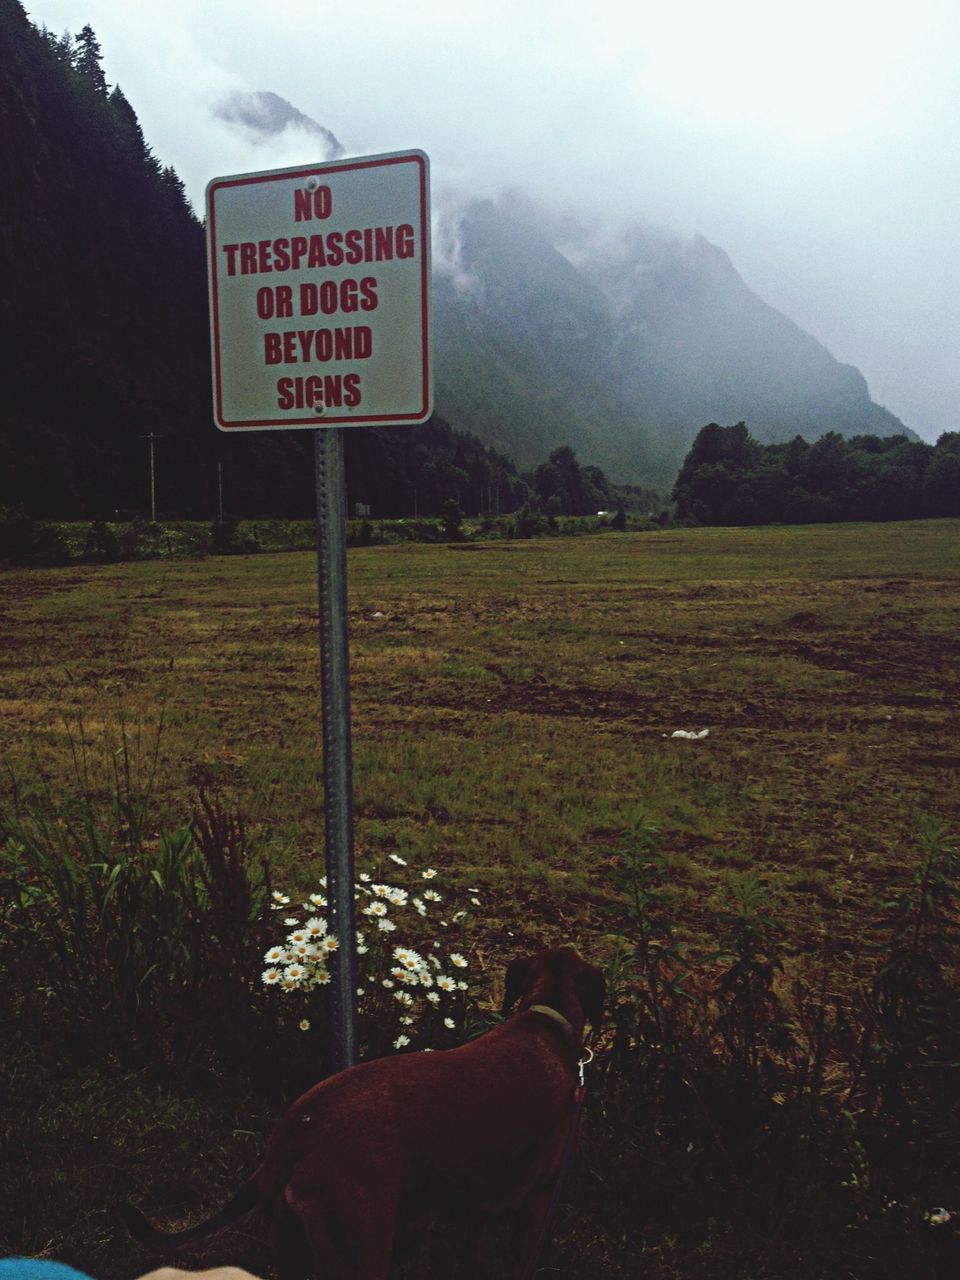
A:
{"points": [[629, 343]]}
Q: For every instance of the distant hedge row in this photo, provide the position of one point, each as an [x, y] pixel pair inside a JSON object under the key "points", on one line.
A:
{"points": [[727, 478], [39, 543]]}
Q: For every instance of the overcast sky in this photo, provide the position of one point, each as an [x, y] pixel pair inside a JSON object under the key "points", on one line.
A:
{"points": [[817, 143]]}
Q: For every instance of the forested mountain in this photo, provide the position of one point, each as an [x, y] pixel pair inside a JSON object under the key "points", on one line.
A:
{"points": [[624, 344], [103, 310], [101, 268]]}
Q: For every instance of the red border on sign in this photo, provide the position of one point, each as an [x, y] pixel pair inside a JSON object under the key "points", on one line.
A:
{"points": [[280, 175]]}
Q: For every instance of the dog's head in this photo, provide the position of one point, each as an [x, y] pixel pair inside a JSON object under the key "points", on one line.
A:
{"points": [[561, 979]]}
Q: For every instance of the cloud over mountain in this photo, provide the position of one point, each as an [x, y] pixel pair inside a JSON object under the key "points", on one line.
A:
{"points": [[622, 342], [267, 116]]}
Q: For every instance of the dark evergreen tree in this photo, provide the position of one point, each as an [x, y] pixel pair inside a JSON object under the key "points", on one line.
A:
{"points": [[87, 60], [566, 488]]}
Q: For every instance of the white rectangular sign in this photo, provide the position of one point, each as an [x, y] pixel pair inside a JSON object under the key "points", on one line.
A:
{"points": [[319, 284]]}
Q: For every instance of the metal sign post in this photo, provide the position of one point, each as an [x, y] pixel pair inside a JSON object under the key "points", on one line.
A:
{"points": [[319, 283], [337, 751]]}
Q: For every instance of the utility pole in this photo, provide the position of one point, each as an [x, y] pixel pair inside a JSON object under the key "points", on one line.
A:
{"points": [[153, 476]]}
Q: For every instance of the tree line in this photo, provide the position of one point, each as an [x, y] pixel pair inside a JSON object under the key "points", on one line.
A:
{"points": [[727, 478]]}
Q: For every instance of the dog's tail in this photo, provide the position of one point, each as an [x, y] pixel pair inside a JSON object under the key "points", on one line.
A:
{"points": [[246, 1199]]}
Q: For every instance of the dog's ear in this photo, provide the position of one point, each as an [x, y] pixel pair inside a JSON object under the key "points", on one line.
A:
{"points": [[590, 986], [519, 973]]}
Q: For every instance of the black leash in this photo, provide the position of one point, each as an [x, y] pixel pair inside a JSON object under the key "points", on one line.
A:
{"points": [[579, 1098]]}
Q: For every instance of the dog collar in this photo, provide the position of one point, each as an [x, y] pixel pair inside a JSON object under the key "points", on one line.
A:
{"points": [[560, 1020]]}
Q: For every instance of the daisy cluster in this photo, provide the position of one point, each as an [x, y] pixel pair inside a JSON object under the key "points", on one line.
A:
{"points": [[396, 979]]}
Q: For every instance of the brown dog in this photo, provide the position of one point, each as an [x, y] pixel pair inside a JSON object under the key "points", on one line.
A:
{"points": [[476, 1130]]}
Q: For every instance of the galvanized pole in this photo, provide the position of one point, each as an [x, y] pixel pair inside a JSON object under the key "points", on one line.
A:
{"points": [[153, 477], [337, 755]]}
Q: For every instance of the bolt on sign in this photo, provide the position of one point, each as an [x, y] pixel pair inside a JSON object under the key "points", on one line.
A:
{"points": [[319, 282]]}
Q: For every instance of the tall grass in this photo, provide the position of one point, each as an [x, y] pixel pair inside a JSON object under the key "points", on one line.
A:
{"points": [[753, 1114], [760, 1118], [141, 945]]}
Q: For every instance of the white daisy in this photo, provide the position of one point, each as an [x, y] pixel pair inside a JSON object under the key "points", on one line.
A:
{"points": [[428, 874], [458, 960], [401, 1042], [445, 983], [431, 895], [298, 936], [381, 890], [271, 977], [276, 955], [318, 899], [330, 943], [395, 857], [364, 877], [398, 897], [316, 927], [386, 926], [449, 1024], [279, 897], [404, 998], [321, 977], [304, 1024], [295, 973], [408, 958], [433, 997], [375, 909]]}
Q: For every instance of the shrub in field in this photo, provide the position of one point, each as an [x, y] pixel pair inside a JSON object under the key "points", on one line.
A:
{"points": [[101, 543], [742, 1106], [139, 947], [24, 540], [648, 977], [147, 946], [140, 540], [914, 996], [227, 538], [750, 1019]]}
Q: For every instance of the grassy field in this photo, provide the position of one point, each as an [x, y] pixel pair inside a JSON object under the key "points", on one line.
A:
{"points": [[512, 710], [525, 692]]}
